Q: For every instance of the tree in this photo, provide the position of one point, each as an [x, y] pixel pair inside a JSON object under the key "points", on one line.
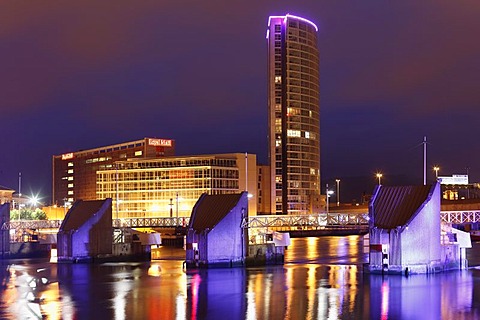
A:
{"points": [[27, 214]]}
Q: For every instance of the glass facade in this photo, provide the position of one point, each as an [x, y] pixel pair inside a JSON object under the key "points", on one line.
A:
{"points": [[294, 115], [166, 187]]}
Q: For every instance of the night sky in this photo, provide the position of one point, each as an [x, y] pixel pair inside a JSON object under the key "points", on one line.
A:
{"points": [[79, 75]]}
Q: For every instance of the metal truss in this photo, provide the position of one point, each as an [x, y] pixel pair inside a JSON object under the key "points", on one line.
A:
{"points": [[459, 217], [322, 220], [311, 220]]}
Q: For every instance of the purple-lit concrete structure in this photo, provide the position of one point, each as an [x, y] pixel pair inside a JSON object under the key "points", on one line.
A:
{"points": [[4, 232], [406, 235], [215, 237], [294, 115], [86, 232]]}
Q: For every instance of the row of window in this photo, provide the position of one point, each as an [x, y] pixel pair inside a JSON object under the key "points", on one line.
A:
{"points": [[165, 163]]}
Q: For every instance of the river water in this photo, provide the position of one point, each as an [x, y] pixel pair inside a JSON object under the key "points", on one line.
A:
{"points": [[322, 278]]}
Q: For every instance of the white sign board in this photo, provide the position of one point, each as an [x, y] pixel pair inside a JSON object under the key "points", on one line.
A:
{"points": [[454, 179]]}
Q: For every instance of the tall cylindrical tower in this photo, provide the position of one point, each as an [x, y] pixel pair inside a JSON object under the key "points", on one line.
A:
{"points": [[294, 115]]}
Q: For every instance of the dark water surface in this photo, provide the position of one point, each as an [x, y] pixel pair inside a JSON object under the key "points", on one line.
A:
{"points": [[321, 279]]}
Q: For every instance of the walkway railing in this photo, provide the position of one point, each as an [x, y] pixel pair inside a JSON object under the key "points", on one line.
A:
{"points": [[311, 220], [264, 221], [459, 217]]}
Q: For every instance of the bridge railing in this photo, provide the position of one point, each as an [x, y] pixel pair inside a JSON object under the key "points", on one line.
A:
{"points": [[164, 222], [310, 220], [459, 217], [263, 221]]}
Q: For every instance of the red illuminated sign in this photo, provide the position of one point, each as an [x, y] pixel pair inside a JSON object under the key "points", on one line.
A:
{"points": [[160, 142], [67, 156]]}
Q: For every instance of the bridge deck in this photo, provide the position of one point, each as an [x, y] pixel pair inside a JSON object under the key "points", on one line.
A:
{"points": [[293, 222]]}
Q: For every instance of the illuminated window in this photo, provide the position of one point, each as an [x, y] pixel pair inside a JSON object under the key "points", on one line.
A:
{"points": [[278, 143], [138, 153], [70, 179], [70, 192], [70, 199], [307, 134], [278, 79], [70, 171], [293, 133], [70, 185], [70, 164], [312, 171]]}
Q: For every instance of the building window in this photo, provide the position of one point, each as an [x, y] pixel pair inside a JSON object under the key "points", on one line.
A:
{"points": [[278, 79], [293, 133], [70, 171], [70, 164], [70, 185], [138, 153]]}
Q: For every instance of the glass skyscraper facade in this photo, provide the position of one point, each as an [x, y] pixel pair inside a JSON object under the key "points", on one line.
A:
{"points": [[294, 115]]}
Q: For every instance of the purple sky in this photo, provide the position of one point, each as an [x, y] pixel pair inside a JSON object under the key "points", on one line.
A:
{"points": [[86, 74]]}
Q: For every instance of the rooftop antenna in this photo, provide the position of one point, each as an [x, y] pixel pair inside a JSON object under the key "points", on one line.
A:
{"points": [[19, 184]]}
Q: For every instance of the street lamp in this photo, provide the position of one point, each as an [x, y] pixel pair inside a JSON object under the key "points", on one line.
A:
{"points": [[338, 192], [177, 205], [171, 207], [436, 169], [379, 177], [327, 194], [34, 201]]}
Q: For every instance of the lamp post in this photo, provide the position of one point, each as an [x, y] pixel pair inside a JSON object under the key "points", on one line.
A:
{"points": [[379, 177], [177, 205], [436, 169], [338, 191], [171, 207], [327, 195]]}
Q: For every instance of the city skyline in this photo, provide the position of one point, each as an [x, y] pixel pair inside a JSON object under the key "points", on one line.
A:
{"points": [[79, 76]]}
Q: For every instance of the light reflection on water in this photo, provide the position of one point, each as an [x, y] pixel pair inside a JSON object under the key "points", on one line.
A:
{"points": [[322, 279]]}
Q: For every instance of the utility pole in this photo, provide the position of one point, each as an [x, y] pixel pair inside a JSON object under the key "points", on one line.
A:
{"points": [[424, 160]]}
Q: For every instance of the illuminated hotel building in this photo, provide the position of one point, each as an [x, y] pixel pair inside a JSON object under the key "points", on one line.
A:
{"points": [[74, 174], [171, 186], [293, 115]]}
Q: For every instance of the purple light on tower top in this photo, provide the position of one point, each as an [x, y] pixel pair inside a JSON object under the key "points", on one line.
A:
{"points": [[293, 17]]}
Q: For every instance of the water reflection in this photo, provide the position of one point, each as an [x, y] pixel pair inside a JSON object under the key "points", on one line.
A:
{"points": [[321, 279]]}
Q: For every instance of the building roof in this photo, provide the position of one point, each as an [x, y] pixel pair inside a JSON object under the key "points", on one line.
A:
{"points": [[80, 213], [395, 206], [2, 188], [211, 209]]}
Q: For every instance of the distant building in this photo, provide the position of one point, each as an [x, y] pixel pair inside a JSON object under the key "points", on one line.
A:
{"points": [[215, 235], [6, 195], [264, 205], [74, 174], [293, 115], [458, 187], [170, 186], [406, 234]]}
